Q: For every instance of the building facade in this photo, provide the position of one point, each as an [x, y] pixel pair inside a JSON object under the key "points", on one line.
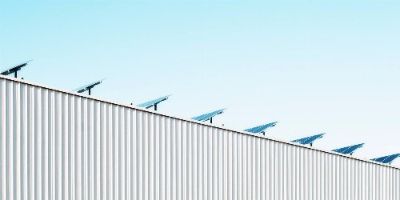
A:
{"points": [[56, 145]]}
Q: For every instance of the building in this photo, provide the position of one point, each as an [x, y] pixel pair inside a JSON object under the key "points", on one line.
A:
{"points": [[59, 145]]}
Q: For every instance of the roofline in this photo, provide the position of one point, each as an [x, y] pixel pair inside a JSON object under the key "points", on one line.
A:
{"points": [[196, 122]]}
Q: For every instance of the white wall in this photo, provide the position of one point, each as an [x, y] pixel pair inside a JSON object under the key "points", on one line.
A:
{"points": [[58, 145]]}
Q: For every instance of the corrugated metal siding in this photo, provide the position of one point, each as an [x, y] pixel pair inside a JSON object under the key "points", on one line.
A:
{"points": [[56, 145]]}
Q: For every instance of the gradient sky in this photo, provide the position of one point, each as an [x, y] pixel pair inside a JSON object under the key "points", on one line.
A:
{"points": [[314, 66]]}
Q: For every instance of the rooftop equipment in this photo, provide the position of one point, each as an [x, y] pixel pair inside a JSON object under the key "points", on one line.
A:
{"points": [[349, 150], [208, 116], [15, 69], [386, 159], [89, 87], [261, 129], [309, 140], [153, 103]]}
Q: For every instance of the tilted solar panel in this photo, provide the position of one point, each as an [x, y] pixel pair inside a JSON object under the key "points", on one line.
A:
{"points": [[208, 116], [386, 159], [309, 140], [349, 149], [15, 69], [154, 102], [262, 128], [89, 86]]}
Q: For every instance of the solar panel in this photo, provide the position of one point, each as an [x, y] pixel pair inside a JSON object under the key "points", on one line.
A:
{"points": [[89, 87], [153, 103], [309, 140], [387, 159], [208, 116], [15, 69], [349, 149], [262, 128]]}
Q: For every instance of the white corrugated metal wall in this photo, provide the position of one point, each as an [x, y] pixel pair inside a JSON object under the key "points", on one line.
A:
{"points": [[56, 145]]}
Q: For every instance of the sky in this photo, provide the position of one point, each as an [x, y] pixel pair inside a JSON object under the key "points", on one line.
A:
{"points": [[313, 66]]}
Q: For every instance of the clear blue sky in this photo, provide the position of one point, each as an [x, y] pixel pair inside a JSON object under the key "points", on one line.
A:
{"points": [[314, 66]]}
